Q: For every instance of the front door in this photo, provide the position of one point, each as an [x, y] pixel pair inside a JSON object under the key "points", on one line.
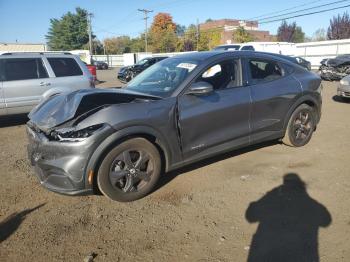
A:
{"points": [[26, 79], [218, 120]]}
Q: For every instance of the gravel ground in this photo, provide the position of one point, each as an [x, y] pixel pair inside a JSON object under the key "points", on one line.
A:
{"points": [[199, 213]]}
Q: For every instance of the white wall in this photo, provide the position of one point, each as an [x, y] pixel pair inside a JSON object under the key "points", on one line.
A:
{"points": [[317, 51], [312, 51]]}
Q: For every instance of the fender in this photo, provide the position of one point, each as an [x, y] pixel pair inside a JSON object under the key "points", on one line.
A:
{"points": [[118, 137], [303, 99], [55, 91]]}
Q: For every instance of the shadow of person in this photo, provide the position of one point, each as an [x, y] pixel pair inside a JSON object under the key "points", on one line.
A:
{"points": [[10, 224], [288, 223]]}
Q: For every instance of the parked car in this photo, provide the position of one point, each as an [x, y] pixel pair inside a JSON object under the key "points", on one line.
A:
{"points": [[343, 90], [296, 60], [127, 73], [100, 65], [28, 78], [334, 69], [284, 48], [92, 69], [180, 110], [234, 47]]}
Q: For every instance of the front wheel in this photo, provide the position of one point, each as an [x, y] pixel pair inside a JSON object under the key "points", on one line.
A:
{"points": [[130, 170], [300, 127]]}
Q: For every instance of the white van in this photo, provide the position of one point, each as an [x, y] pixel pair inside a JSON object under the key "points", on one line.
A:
{"points": [[283, 48]]}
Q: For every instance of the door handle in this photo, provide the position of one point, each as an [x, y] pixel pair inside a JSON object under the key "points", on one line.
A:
{"points": [[44, 84]]}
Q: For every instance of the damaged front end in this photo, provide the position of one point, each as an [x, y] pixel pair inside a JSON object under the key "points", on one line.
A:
{"points": [[61, 141], [334, 69]]}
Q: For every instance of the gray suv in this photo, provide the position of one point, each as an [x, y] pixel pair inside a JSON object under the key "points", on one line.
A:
{"points": [[178, 111], [28, 78]]}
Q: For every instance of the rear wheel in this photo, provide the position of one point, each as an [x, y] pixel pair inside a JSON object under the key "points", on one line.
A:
{"points": [[129, 171], [300, 127]]}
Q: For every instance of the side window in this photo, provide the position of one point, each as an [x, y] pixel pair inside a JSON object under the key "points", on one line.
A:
{"points": [[264, 70], [23, 69], [222, 75], [64, 67], [248, 47]]}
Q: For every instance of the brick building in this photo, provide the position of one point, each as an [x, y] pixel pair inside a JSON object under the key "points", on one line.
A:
{"points": [[228, 26]]}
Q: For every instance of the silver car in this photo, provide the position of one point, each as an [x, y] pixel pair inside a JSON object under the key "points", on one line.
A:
{"points": [[28, 78], [344, 87]]}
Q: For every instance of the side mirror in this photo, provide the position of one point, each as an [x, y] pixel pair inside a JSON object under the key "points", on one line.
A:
{"points": [[200, 88]]}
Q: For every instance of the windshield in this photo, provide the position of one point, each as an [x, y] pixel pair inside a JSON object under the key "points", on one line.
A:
{"points": [[163, 78], [142, 61]]}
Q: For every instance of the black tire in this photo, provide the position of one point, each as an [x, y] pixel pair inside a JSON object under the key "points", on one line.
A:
{"points": [[301, 126], [130, 170]]}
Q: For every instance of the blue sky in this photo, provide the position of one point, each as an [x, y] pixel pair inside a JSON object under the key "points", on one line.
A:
{"points": [[28, 21]]}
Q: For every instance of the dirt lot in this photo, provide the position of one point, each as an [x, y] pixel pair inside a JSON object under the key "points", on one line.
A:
{"points": [[197, 213]]}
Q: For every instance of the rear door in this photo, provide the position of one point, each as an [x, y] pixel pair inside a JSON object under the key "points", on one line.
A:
{"points": [[219, 119], [68, 74], [273, 90], [25, 80]]}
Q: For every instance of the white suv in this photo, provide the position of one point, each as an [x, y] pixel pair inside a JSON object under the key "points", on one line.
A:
{"points": [[27, 78]]}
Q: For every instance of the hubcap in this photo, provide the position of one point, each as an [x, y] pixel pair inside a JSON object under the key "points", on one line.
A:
{"points": [[131, 170]]}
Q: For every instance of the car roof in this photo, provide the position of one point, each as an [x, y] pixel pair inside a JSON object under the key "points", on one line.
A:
{"points": [[208, 54], [35, 54]]}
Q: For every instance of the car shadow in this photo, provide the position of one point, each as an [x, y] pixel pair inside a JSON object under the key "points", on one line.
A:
{"points": [[340, 99], [11, 223], [15, 120], [168, 177], [289, 220]]}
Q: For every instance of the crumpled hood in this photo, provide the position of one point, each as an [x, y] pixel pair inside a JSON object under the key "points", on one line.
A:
{"points": [[64, 107], [337, 61]]}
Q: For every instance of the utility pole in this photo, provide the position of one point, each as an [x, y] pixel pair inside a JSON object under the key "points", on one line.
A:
{"points": [[145, 11], [90, 33], [197, 33]]}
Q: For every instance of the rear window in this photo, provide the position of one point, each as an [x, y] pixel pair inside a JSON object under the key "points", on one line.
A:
{"points": [[262, 70], [65, 67], [23, 69]]}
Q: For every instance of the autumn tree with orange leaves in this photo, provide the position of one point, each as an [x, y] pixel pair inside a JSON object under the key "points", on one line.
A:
{"points": [[163, 36]]}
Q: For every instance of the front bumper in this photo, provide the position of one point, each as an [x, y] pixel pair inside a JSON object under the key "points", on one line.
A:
{"points": [[61, 166], [343, 91], [123, 78]]}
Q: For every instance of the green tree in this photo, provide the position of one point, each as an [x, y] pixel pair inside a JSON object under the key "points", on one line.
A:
{"points": [[69, 32], [137, 44], [208, 39], [240, 35], [117, 45], [298, 36]]}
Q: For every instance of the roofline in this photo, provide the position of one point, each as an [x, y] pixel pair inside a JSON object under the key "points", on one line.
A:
{"points": [[2, 43], [35, 53]]}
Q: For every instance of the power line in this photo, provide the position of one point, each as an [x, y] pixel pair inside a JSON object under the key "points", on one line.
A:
{"points": [[311, 13], [280, 11], [146, 12], [302, 10]]}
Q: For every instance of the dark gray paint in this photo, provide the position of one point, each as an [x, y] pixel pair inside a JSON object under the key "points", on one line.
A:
{"points": [[186, 127]]}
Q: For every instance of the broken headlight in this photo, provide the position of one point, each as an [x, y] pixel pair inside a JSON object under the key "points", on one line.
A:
{"points": [[73, 135]]}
